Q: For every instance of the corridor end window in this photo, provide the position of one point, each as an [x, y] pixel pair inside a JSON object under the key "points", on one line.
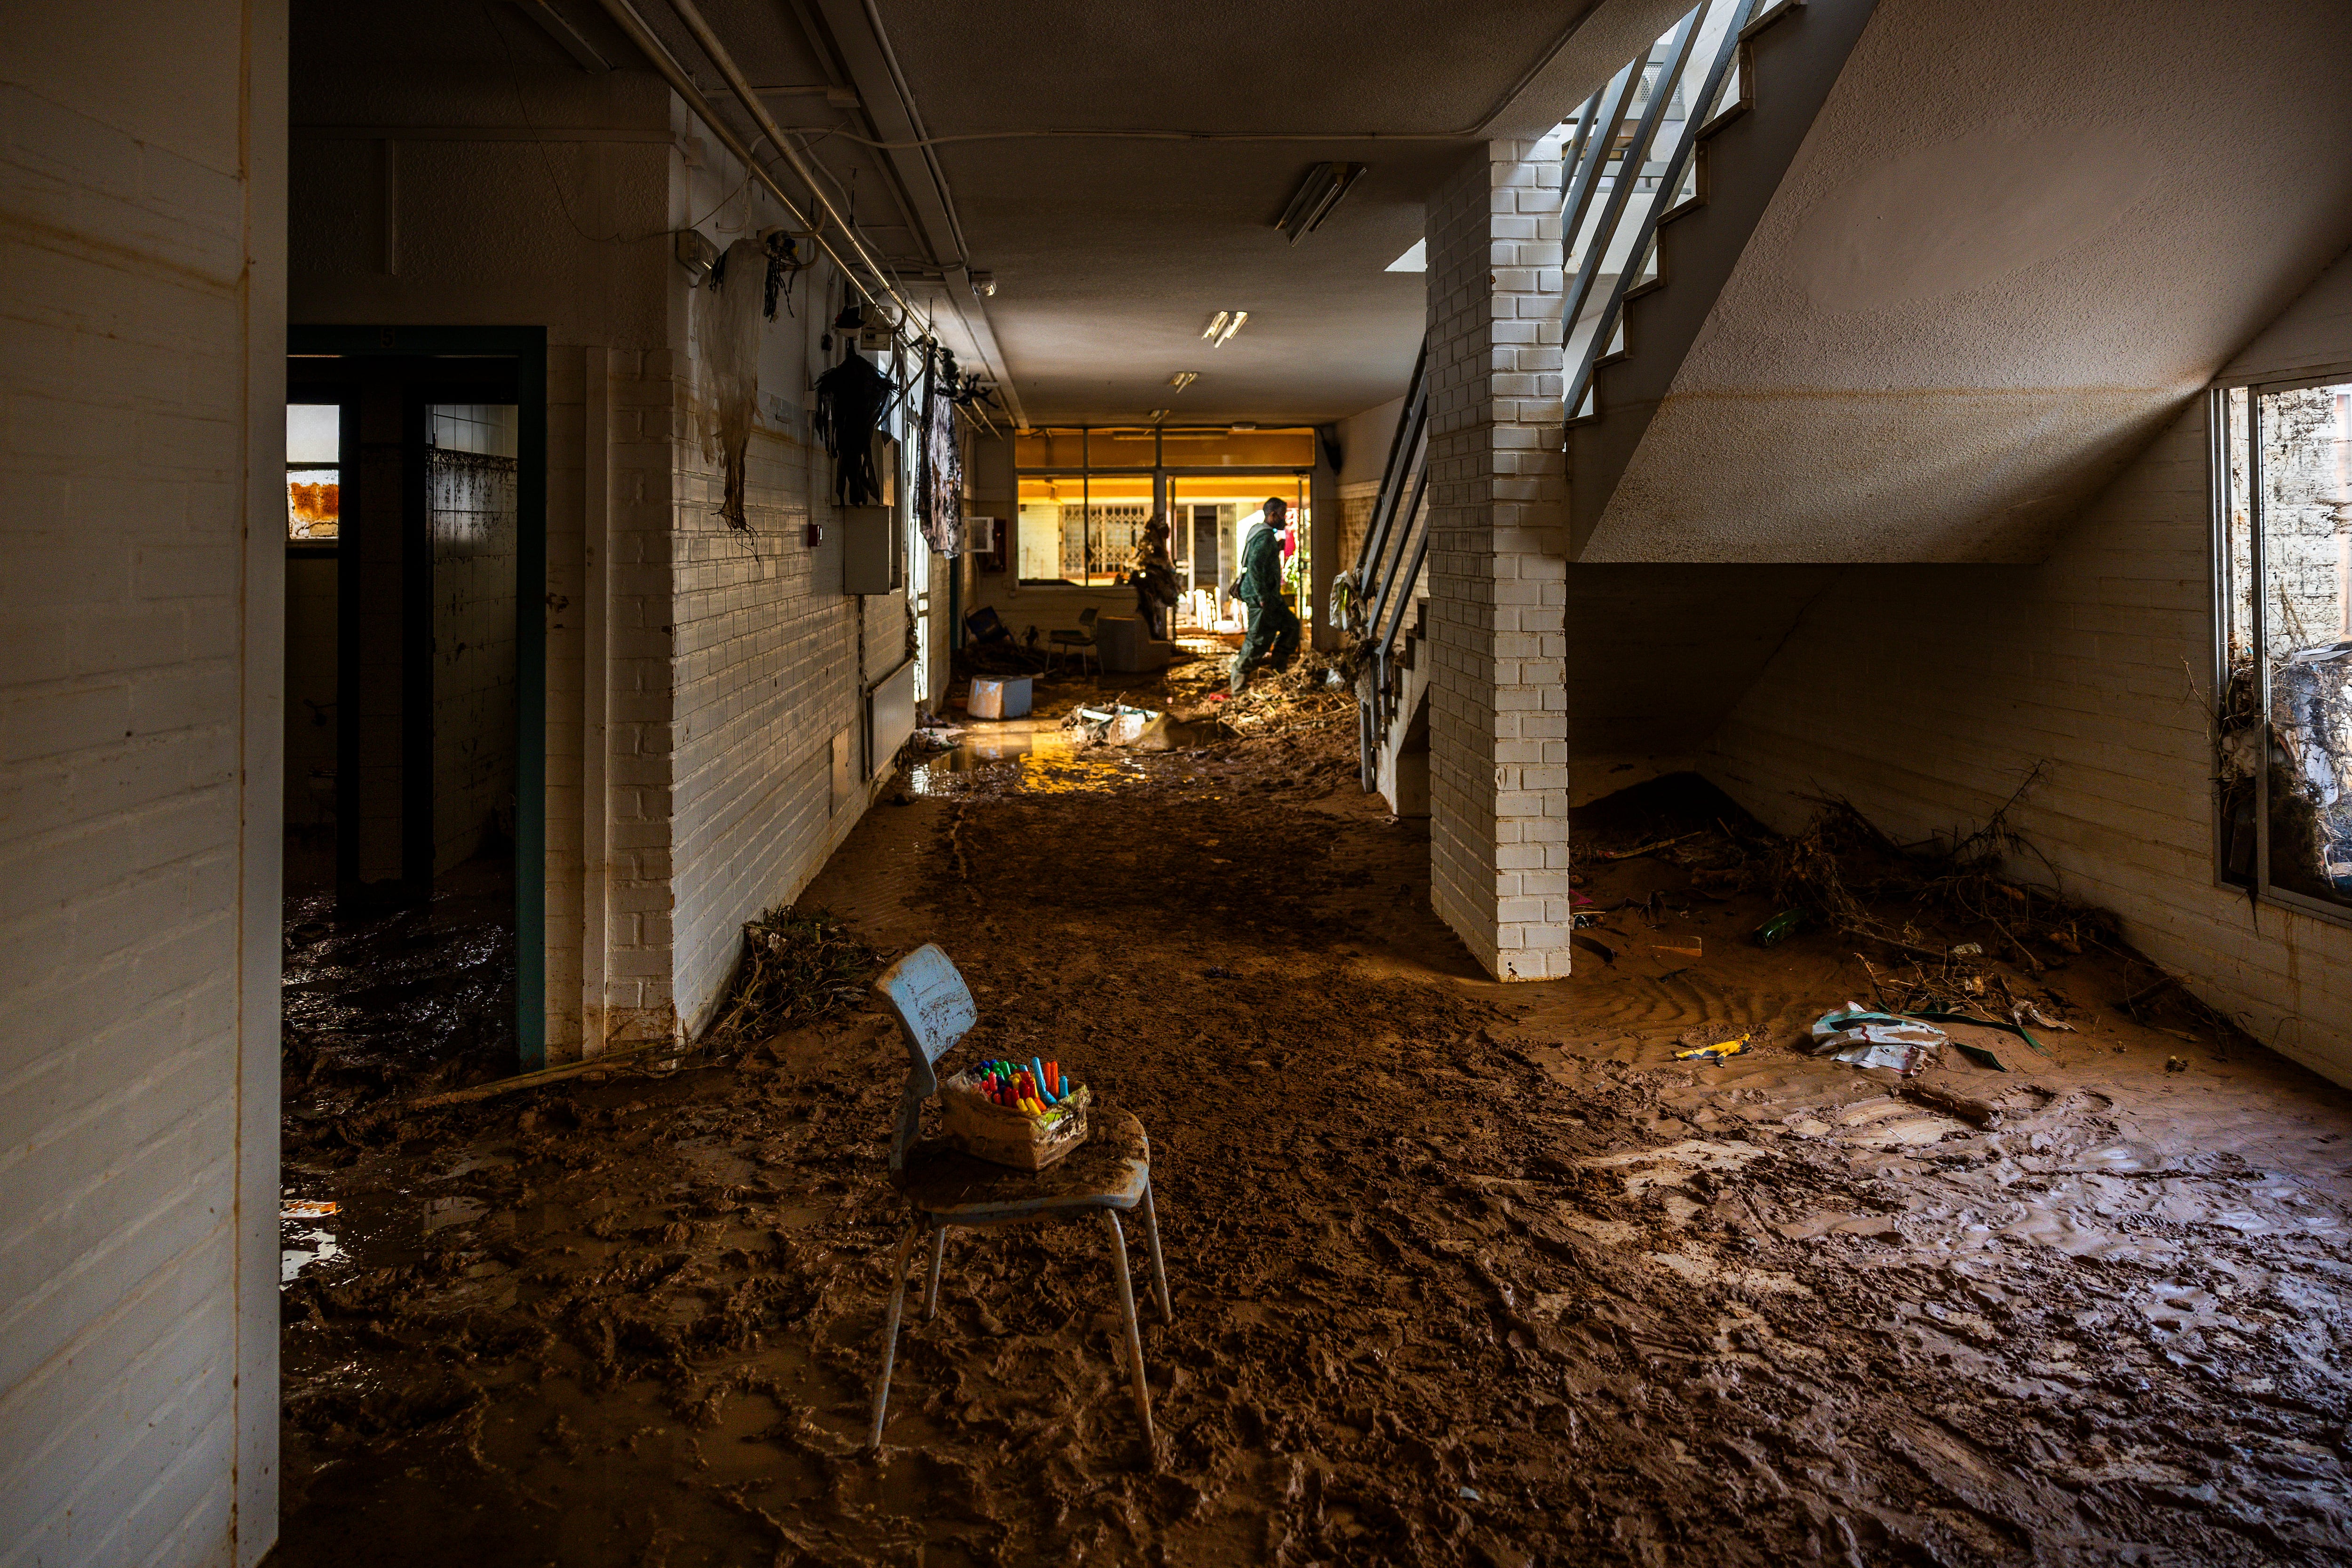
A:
{"points": [[2284, 567], [314, 444]]}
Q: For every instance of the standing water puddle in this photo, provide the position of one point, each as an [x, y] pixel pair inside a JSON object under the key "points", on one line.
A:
{"points": [[1035, 761]]}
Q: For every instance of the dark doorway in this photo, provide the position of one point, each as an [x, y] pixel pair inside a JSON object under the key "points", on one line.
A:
{"points": [[414, 714]]}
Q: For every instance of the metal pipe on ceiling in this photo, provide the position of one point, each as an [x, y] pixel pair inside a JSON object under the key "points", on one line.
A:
{"points": [[741, 85], [625, 17]]}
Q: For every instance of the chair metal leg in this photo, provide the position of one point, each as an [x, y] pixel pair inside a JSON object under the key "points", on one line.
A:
{"points": [[1134, 1329], [1159, 1269], [891, 1335], [939, 1255]]}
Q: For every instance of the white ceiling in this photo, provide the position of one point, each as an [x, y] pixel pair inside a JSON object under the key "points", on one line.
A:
{"points": [[1110, 255]]}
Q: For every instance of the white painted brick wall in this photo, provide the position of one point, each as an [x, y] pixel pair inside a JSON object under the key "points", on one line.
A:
{"points": [[1924, 694], [766, 672], [1498, 753], [640, 609], [763, 663], [141, 444]]}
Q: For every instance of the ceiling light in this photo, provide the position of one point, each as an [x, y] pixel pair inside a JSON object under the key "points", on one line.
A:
{"points": [[1318, 195], [1240, 430], [1155, 417], [1184, 378], [984, 285], [1216, 324], [1230, 327]]}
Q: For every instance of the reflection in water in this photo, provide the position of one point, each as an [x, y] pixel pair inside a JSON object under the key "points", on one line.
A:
{"points": [[301, 1246], [1033, 762]]}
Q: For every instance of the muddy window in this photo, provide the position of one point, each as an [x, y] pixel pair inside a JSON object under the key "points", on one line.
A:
{"points": [[2283, 568], [314, 447], [1087, 496]]}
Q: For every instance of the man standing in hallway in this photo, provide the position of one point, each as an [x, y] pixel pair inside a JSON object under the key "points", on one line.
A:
{"points": [[1273, 636]]}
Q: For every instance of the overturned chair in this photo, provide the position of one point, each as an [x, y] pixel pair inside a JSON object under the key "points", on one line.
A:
{"points": [[943, 1187]]}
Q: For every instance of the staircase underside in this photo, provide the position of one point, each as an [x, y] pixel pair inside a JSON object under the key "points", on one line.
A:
{"points": [[2013, 240]]}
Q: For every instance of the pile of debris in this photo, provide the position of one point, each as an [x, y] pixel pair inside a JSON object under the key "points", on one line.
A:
{"points": [[1939, 916], [796, 968]]}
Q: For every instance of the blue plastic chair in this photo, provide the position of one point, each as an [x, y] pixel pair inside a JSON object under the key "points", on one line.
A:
{"points": [[1109, 1171]]}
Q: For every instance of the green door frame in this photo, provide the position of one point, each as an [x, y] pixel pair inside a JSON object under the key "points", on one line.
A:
{"points": [[527, 346]]}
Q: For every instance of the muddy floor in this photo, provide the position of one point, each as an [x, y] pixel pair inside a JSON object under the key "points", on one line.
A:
{"points": [[1462, 1272]]}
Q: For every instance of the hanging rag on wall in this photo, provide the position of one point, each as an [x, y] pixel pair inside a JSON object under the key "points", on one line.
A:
{"points": [[727, 369], [851, 399], [938, 485], [784, 264]]}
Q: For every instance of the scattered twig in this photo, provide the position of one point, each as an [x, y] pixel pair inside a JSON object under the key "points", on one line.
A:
{"points": [[794, 968]]}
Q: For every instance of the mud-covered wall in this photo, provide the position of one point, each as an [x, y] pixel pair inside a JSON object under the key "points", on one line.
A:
{"points": [[1928, 694], [142, 610], [770, 657]]}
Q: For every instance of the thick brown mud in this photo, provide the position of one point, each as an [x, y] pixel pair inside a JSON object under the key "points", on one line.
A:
{"points": [[1462, 1272]]}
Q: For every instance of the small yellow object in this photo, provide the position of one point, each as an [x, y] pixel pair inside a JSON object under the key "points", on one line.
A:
{"points": [[1716, 1052]]}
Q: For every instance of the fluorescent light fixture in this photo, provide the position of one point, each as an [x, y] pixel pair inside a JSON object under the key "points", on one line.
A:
{"points": [[1184, 378], [1318, 195], [1231, 325], [1413, 260], [1216, 324]]}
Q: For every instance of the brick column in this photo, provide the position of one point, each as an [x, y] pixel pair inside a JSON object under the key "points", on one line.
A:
{"points": [[1498, 538]]}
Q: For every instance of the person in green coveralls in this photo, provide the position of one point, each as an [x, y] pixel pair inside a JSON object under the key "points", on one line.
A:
{"points": [[1273, 630]]}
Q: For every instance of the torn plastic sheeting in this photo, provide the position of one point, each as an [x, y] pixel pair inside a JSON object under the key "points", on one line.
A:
{"points": [[1902, 1059], [1123, 726], [1866, 1039]]}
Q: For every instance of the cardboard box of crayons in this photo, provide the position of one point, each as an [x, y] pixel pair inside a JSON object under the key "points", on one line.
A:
{"points": [[995, 1112]]}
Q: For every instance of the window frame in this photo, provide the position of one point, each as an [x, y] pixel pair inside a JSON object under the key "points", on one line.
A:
{"points": [[1160, 474], [2258, 887]]}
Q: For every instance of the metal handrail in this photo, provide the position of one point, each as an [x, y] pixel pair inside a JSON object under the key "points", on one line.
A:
{"points": [[1377, 613], [1407, 454], [1408, 423], [1636, 156], [1592, 152]]}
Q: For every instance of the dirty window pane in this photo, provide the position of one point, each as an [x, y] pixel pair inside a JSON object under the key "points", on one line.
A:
{"points": [[2304, 448], [471, 475], [2238, 719], [313, 477]]}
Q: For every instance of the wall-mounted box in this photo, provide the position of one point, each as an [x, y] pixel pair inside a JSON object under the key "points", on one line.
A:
{"points": [[873, 550]]}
